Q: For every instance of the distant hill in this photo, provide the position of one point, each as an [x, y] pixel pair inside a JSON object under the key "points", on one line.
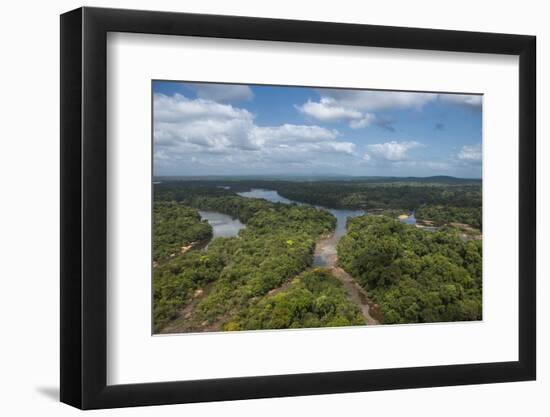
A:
{"points": [[437, 179], [442, 179]]}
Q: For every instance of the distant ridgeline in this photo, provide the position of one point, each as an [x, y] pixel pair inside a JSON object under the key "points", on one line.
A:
{"points": [[438, 179]]}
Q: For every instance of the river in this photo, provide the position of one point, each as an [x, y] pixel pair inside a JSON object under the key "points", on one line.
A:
{"points": [[325, 249], [325, 252], [222, 224]]}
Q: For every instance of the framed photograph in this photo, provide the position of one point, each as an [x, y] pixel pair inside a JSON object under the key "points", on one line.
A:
{"points": [[256, 208]]}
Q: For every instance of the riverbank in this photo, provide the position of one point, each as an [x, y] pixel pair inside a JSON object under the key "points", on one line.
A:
{"points": [[326, 256]]}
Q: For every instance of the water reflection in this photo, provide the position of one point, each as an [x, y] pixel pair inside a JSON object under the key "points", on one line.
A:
{"points": [[275, 197], [342, 218], [222, 224], [269, 195]]}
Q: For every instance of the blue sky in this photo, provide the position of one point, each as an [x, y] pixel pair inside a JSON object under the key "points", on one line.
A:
{"points": [[230, 129]]}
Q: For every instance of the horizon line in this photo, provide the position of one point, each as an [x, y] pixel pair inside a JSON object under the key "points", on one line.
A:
{"points": [[315, 175]]}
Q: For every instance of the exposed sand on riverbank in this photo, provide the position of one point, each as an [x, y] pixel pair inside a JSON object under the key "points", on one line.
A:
{"points": [[326, 256]]}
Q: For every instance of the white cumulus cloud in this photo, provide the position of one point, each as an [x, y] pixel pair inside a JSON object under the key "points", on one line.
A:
{"points": [[365, 121], [357, 107], [373, 101], [390, 151], [470, 153], [217, 134], [289, 133], [360, 108], [327, 110]]}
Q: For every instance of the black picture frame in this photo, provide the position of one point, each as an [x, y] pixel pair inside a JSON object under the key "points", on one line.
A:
{"points": [[84, 207]]}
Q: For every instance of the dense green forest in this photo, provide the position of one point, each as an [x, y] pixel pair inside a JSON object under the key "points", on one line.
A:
{"points": [[441, 202], [415, 276], [442, 214], [175, 281], [263, 277], [276, 245], [175, 227], [313, 299]]}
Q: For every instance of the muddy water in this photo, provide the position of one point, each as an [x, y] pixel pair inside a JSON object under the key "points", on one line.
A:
{"points": [[325, 251]]}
